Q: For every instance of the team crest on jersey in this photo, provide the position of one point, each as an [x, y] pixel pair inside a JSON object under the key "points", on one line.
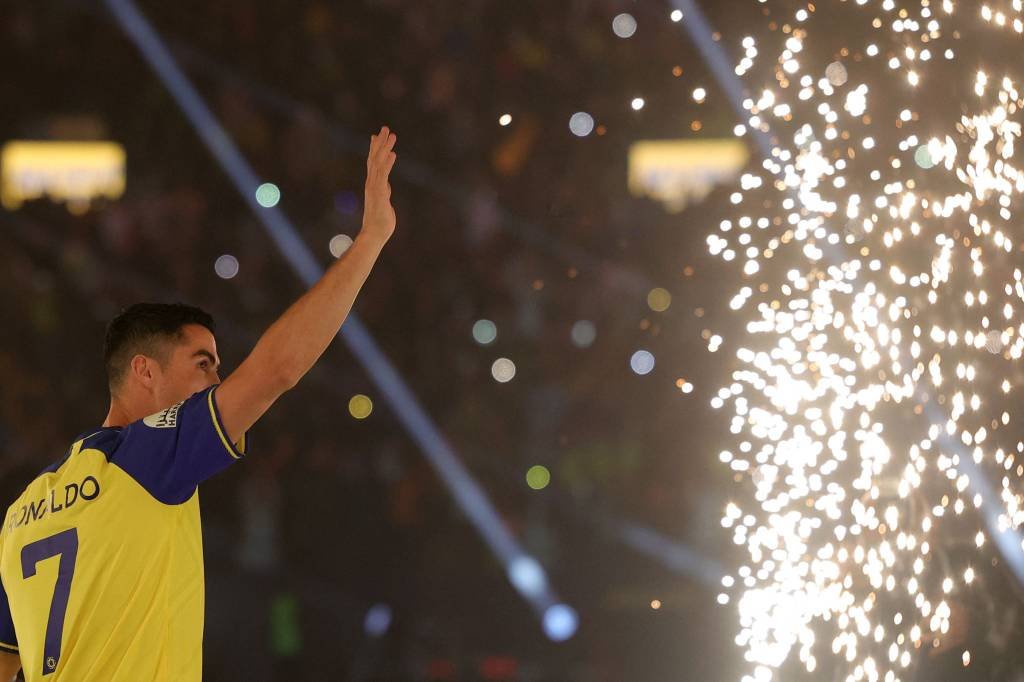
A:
{"points": [[165, 419]]}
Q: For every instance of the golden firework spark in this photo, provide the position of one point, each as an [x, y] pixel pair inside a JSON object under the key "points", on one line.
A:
{"points": [[877, 250]]}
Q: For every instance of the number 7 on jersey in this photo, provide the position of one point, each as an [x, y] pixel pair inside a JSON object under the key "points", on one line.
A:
{"points": [[64, 544]]}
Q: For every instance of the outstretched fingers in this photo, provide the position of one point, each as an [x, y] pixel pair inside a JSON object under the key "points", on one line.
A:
{"points": [[389, 163], [381, 157], [375, 145], [380, 144]]}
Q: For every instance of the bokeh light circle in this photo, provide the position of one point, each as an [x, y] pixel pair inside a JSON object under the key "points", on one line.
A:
{"points": [[339, 244], [581, 124], [538, 477], [485, 332], [624, 25], [268, 195], [503, 370], [923, 157], [659, 300], [583, 333], [226, 266], [360, 406], [377, 620], [560, 622], [836, 73], [642, 362]]}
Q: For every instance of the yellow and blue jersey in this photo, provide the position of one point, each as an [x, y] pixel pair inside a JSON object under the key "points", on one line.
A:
{"points": [[101, 557]]}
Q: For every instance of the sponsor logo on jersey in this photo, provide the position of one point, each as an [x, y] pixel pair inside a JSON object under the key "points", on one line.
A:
{"points": [[165, 419]]}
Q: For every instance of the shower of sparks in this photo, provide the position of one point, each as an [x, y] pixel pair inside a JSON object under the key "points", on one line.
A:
{"points": [[877, 253]]}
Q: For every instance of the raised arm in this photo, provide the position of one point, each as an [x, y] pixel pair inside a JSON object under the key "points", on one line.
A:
{"points": [[292, 344]]}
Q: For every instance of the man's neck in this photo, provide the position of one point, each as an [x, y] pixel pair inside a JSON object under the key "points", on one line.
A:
{"points": [[118, 415]]}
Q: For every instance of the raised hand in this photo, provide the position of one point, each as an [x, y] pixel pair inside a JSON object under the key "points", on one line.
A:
{"points": [[378, 214]]}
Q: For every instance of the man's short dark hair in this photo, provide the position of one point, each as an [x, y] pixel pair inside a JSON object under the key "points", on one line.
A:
{"points": [[147, 329]]}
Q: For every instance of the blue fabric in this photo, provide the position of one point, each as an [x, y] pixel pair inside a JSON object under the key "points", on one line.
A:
{"points": [[8, 639], [172, 452]]}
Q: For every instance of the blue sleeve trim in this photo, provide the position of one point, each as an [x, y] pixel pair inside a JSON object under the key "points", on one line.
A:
{"points": [[7, 648]]}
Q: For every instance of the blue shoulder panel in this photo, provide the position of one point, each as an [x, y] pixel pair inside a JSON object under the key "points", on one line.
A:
{"points": [[171, 452], [106, 440]]}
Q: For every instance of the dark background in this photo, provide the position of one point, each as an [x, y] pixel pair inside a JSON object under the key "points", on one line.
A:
{"points": [[526, 225]]}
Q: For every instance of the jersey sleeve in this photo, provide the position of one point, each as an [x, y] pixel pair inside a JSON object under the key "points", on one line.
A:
{"points": [[171, 452], [8, 640]]}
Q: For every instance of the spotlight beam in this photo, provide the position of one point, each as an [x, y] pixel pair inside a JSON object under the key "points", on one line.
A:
{"points": [[524, 572]]}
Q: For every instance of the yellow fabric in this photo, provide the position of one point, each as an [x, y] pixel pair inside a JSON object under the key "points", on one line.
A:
{"points": [[135, 609]]}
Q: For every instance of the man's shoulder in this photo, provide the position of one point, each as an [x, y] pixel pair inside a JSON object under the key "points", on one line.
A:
{"points": [[105, 439], [42, 493]]}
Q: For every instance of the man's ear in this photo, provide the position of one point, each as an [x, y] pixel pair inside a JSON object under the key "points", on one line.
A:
{"points": [[145, 370]]}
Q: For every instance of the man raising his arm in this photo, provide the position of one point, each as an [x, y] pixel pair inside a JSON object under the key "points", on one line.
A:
{"points": [[101, 556]]}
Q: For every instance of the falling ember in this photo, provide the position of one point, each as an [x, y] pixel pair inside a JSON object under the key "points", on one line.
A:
{"points": [[879, 340]]}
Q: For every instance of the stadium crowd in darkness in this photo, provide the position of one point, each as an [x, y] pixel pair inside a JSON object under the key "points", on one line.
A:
{"points": [[525, 225]]}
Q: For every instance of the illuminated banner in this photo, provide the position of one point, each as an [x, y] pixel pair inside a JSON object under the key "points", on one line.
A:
{"points": [[676, 172], [75, 172]]}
